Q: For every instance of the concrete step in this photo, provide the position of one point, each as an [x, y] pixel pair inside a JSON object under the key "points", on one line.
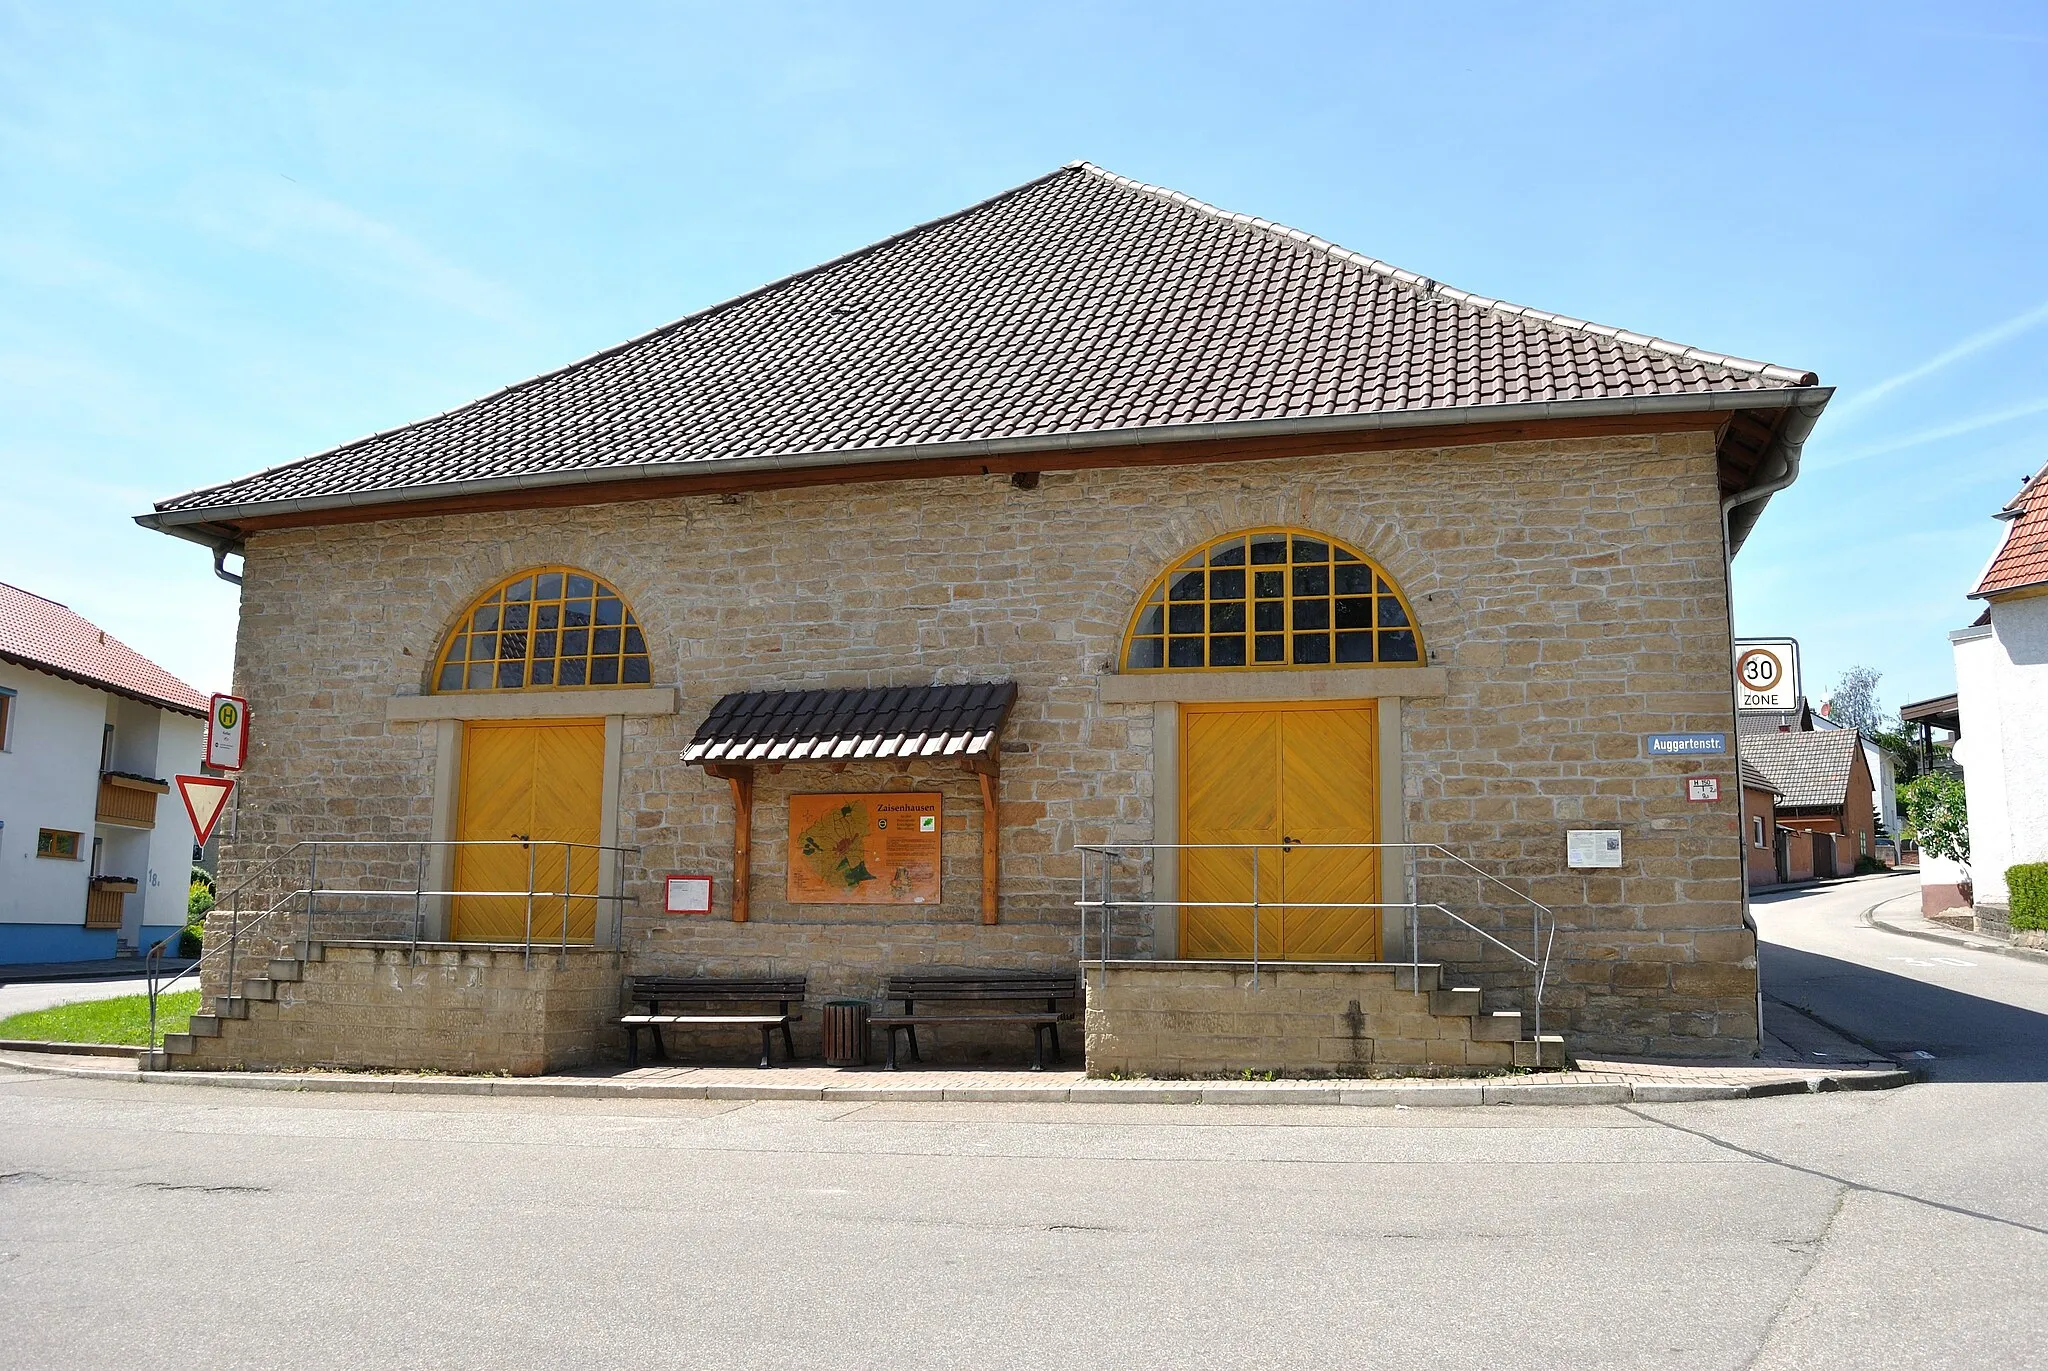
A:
{"points": [[178, 1044], [1458, 1001], [230, 1007], [307, 952], [203, 1026], [1541, 1054], [1429, 974], [1501, 1026], [287, 969], [259, 988]]}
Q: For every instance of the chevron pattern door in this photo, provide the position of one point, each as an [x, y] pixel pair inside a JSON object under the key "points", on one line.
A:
{"points": [[538, 781]]}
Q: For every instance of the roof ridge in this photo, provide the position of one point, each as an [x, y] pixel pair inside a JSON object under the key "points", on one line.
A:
{"points": [[717, 307], [1430, 286], [23, 590]]}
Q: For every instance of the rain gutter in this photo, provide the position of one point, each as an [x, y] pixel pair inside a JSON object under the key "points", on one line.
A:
{"points": [[210, 525]]}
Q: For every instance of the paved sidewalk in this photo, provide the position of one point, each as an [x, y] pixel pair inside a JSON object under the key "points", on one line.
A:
{"points": [[1801, 1056], [1901, 915], [107, 968]]}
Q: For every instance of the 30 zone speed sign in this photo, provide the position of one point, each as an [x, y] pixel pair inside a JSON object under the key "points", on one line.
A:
{"points": [[1767, 674]]}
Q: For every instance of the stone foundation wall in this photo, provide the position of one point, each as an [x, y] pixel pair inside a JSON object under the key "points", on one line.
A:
{"points": [[459, 1009], [1302, 1019]]}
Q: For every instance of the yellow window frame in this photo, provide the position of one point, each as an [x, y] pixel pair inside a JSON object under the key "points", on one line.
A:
{"points": [[1277, 598], [544, 628]]}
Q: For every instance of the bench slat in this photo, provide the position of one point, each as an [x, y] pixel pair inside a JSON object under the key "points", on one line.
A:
{"points": [[751, 1019], [920, 1020]]}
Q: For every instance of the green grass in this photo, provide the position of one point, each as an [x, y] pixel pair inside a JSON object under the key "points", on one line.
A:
{"points": [[123, 1020]]}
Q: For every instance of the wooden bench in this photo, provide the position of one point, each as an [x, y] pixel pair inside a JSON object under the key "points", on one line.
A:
{"points": [[732, 992], [959, 990]]}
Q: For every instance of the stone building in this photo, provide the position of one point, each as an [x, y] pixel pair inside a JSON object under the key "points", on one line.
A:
{"points": [[1277, 544]]}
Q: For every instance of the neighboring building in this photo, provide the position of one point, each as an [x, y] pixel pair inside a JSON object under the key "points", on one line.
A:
{"points": [[1824, 787], [1944, 883], [1242, 537], [95, 856], [1760, 828], [2002, 694]]}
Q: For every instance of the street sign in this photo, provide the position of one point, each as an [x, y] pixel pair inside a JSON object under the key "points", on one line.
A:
{"points": [[1686, 744], [206, 799], [1766, 673], [227, 733]]}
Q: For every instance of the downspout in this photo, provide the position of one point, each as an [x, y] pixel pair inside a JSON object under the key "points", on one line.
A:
{"points": [[1791, 441], [222, 550]]}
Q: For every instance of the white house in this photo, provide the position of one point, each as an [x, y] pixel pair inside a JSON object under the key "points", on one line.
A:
{"points": [[95, 852], [2002, 695]]}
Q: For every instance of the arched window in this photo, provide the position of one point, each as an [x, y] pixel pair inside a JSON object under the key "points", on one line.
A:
{"points": [[546, 629], [1271, 598]]}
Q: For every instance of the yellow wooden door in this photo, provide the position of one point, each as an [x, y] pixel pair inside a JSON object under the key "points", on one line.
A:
{"points": [[540, 783], [1230, 794], [1266, 774], [1329, 769]]}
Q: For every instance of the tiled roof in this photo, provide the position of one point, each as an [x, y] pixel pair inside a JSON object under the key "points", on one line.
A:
{"points": [[1798, 719], [848, 725], [1810, 770], [1076, 309], [46, 636], [2022, 560], [1754, 779]]}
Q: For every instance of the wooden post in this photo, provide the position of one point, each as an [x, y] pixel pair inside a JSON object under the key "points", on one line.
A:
{"points": [[987, 769], [742, 780]]}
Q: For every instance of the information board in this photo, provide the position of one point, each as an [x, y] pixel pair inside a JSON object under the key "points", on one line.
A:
{"points": [[879, 848]]}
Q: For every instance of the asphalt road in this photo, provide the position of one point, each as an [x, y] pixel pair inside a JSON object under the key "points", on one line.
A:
{"points": [[181, 1226], [22, 996]]}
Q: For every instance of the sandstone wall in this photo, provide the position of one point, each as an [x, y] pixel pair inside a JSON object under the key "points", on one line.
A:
{"points": [[1574, 590]]}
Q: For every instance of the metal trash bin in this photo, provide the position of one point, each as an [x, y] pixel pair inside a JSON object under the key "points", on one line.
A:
{"points": [[846, 1032]]}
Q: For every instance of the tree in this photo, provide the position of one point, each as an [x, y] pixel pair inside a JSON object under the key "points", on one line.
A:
{"points": [[1899, 744], [1937, 816], [1853, 704]]}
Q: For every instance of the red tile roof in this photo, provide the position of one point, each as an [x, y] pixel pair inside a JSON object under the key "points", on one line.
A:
{"points": [[45, 636], [2023, 560]]}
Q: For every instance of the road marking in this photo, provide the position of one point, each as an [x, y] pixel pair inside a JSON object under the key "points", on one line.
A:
{"points": [[1932, 961]]}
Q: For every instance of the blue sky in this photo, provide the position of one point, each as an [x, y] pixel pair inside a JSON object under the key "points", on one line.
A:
{"points": [[231, 235]]}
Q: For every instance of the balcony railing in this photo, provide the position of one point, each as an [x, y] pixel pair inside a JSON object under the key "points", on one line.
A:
{"points": [[129, 801]]}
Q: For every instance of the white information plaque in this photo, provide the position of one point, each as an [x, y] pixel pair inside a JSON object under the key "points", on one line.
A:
{"points": [[1592, 847]]}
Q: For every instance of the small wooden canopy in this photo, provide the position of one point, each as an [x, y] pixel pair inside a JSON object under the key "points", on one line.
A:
{"points": [[834, 727]]}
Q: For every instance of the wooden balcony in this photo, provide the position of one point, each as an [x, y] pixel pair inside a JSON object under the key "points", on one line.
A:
{"points": [[103, 901], [129, 801]]}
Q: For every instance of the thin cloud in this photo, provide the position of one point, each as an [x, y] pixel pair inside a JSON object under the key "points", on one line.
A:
{"points": [[1975, 343], [1935, 435]]}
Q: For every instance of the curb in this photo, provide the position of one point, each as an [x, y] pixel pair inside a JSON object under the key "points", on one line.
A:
{"points": [[133, 1054], [1974, 942], [1354, 1093]]}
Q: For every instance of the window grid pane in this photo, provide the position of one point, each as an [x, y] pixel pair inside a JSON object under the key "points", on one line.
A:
{"points": [[1268, 599], [548, 629]]}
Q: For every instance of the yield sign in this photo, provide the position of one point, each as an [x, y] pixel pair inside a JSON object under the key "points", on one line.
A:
{"points": [[205, 798]]}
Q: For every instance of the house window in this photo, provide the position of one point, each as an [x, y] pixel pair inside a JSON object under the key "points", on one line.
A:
{"points": [[57, 842], [1272, 598], [1759, 827], [549, 629], [6, 720]]}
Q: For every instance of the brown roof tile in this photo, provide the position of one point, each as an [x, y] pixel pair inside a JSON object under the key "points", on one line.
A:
{"points": [[2022, 560], [1081, 303], [1810, 770]]}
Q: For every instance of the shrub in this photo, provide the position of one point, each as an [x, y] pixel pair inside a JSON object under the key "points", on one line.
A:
{"points": [[1937, 815], [192, 940], [198, 900], [1867, 865], [2028, 883]]}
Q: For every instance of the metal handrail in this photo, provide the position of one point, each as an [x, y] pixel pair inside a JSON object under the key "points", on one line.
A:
{"points": [[1542, 938], [418, 893]]}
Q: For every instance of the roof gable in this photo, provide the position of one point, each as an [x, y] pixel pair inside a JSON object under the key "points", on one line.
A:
{"points": [[1080, 304], [1810, 770], [45, 636], [2022, 559]]}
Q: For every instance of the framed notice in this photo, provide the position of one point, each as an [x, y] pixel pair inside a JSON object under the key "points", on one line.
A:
{"points": [[880, 848], [1592, 848], [687, 895]]}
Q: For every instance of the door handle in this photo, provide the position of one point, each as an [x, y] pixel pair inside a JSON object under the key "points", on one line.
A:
{"points": [[1287, 844]]}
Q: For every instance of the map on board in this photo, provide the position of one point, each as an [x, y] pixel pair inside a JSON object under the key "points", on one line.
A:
{"points": [[880, 848]]}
